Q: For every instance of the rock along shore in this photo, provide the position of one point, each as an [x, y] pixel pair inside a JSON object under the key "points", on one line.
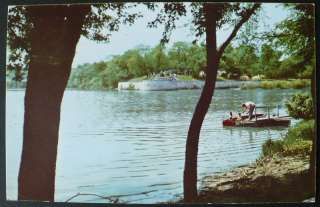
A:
{"points": [[271, 179]]}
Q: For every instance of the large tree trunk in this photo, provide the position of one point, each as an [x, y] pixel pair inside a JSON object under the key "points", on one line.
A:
{"points": [[55, 34], [190, 168]]}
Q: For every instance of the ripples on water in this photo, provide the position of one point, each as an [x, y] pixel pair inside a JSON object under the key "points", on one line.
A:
{"points": [[131, 144]]}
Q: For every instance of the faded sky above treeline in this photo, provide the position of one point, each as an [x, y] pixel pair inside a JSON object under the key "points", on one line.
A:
{"points": [[129, 37]]}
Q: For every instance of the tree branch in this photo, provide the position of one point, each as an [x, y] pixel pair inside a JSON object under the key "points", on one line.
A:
{"points": [[113, 200], [245, 17]]}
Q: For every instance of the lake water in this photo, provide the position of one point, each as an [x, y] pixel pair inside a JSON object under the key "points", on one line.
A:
{"points": [[131, 144]]}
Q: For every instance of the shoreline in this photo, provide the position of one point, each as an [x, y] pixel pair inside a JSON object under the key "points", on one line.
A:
{"points": [[196, 84], [270, 179]]}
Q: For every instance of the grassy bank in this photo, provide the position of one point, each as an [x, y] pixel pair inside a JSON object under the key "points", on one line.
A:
{"points": [[281, 84], [298, 141]]}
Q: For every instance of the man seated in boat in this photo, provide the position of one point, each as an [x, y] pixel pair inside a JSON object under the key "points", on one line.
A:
{"points": [[249, 108]]}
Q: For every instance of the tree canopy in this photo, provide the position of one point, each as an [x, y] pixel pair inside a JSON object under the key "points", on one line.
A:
{"points": [[99, 24]]}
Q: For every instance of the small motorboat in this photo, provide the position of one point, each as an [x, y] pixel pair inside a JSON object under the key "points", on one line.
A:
{"points": [[233, 121], [229, 122], [258, 120]]}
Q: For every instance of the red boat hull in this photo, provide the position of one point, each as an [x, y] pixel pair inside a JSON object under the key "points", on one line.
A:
{"points": [[229, 122]]}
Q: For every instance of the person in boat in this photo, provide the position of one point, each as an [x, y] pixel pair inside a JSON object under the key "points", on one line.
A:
{"points": [[249, 108], [231, 117], [235, 117]]}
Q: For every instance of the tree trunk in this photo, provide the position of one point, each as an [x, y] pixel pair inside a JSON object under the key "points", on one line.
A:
{"points": [[190, 168], [54, 37]]}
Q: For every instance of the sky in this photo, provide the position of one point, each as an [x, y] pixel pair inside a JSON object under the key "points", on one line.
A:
{"points": [[128, 37]]}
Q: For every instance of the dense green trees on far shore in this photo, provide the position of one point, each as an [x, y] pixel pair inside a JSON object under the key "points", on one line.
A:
{"points": [[182, 57], [186, 58]]}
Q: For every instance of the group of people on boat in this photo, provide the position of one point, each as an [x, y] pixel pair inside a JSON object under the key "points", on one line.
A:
{"points": [[248, 107]]}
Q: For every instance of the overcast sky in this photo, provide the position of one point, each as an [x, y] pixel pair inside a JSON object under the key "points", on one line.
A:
{"points": [[129, 37]]}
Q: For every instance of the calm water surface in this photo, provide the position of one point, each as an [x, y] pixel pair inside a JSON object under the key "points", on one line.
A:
{"points": [[131, 144]]}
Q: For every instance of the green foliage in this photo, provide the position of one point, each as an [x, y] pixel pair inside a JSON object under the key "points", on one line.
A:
{"points": [[281, 84], [102, 20], [171, 12], [241, 60], [303, 130], [271, 147], [296, 33], [269, 62], [299, 147], [298, 141], [183, 58], [102, 75], [296, 36], [184, 77], [141, 78], [244, 59], [300, 106], [140, 62]]}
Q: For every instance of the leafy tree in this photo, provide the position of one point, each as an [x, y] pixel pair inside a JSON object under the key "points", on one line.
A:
{"points": [[227, 63], [136, 64], [213, 16], [158, 59], [42, 39], [197, 59], [178, 55], [297, 35], [112, 75], [241, 60], [207, 18], [286, 68], [269, 62]]}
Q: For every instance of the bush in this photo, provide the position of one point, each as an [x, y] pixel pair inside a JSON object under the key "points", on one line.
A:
{"points": [[271, 147], [307, 73], [282, 84], [298, 141], [300, 84], [299, 147], [302, 131], [267, 85], [300, 106]]}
